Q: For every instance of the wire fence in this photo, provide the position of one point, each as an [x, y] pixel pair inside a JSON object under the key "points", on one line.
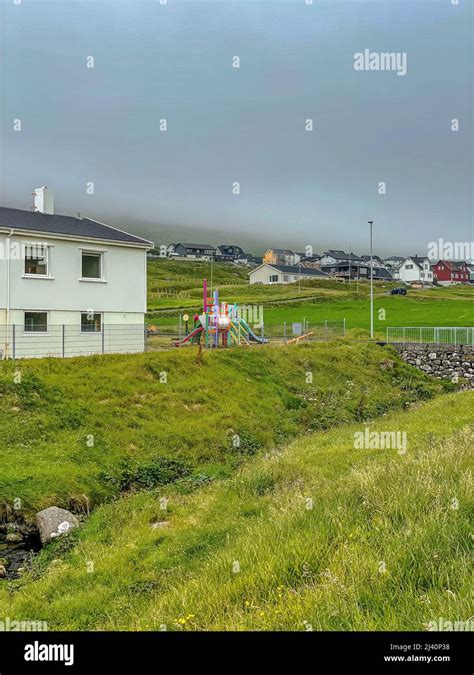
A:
{"points": [[437, 335], [64, 340], [163, 336], [19, 342]]}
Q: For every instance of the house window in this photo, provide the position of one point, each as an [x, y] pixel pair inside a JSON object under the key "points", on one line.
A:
{"points": [[36, 322], [408, 267], [91, 265], [285, 277], [36, 260], [91, 323], [273, 278]]}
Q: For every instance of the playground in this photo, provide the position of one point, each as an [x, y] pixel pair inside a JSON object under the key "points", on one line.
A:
{"points": [[219, 324]]}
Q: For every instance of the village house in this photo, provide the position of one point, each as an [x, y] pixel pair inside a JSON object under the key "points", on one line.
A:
{"points": [[280, 256], [415, 270], [283, 274], [448, 272], [68, 285], [230, 253], [191, 251]]}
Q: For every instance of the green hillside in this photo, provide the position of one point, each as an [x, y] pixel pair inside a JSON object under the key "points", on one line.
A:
{"points": [[95, 426], [318, 535]]}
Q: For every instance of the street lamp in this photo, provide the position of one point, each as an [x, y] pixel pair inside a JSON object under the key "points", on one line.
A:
{"points": [[371, 223]]}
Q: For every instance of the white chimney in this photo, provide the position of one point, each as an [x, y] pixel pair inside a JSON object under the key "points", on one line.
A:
{"points": [[44, 200]]}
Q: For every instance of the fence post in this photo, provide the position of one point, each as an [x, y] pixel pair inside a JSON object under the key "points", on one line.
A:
{"points": [[325, 329], [344, 327], [387, 334], [180, 326], [284, 332], [14, 342], [103, 336], [64, 340], [420, 336]]}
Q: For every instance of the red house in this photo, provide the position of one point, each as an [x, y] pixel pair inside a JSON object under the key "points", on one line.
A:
{"points": [[451, 272]]}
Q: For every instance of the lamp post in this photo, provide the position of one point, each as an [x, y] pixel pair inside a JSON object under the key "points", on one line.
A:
{"points": [[371, 223]]}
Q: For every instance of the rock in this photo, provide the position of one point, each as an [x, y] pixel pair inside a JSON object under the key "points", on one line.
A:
{"points": [[53, 522], [3, 572], [159, 524], [13, 537]]}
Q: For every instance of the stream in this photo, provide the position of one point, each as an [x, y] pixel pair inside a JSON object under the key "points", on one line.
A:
{"points": [[14, 555]]}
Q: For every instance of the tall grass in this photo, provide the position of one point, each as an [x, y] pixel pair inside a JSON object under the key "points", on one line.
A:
{"points": [[317, 536]]}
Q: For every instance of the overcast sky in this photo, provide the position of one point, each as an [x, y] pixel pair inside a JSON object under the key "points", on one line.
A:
{"points": [[101, 124]]}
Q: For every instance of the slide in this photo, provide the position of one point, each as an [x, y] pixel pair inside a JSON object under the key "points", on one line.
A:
{"points": [[252, 335], [189, 336]]}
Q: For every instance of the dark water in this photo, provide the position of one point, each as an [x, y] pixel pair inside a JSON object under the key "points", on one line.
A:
{"points": [[16, 555]]}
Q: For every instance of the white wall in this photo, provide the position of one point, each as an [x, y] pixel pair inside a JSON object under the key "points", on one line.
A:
{"points": [[120, 298], [123, 290], [415, 274], [262, 276]]}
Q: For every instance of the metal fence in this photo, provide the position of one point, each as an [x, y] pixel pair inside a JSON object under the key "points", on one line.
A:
{"points": [[70, 340], [439, 335], [161, 336]]}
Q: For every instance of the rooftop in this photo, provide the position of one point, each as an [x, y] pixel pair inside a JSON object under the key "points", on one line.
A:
{"points": [[33, 221]]}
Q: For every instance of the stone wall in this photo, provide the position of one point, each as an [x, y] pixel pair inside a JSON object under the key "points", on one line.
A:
{"points": [[441, 361]]}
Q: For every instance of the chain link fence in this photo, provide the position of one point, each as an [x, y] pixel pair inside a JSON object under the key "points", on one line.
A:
{"points": [[19, 342], [164, 336]]}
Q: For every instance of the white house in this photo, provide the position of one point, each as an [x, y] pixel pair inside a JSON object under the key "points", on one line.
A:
{"points": [[68, 285], [415, 269], [283, 274]]}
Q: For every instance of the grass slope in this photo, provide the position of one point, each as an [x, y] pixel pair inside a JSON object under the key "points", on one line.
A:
{"points": [[95, 426], [384, 544], [177, 286]]}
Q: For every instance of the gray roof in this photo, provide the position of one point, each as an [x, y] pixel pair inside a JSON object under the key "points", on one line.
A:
{"points": [[342, 255], [296, 269], [206, 246], [43, 223], [419, 260]]}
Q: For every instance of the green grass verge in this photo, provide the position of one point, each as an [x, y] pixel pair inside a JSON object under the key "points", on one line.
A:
{"points": [[320, 535], [95, 426]]}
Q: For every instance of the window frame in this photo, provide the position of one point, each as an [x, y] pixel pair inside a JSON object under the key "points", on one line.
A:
{"points": [[35, 332], [93, 332], [98, 253], [32, 275]]}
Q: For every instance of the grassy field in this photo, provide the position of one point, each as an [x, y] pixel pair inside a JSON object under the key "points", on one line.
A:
{"points": [[226, 491], [95, 426], [319, 535], [315, 301]]}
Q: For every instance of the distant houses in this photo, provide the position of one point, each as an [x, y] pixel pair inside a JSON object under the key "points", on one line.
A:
{"points": [[333, 263], [194, 251], [350, 266], [415, 269], [448, 272], [283, 274], [280, 256]]}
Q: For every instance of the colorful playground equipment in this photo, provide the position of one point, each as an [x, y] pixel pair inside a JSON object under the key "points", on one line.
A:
{"points": [[220, 324]]}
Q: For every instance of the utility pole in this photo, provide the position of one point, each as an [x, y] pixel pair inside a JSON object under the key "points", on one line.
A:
{"points": [[371, 223], [350, 263]]}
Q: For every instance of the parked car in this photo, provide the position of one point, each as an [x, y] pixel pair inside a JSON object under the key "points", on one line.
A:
{"points": [[398, 291]]}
